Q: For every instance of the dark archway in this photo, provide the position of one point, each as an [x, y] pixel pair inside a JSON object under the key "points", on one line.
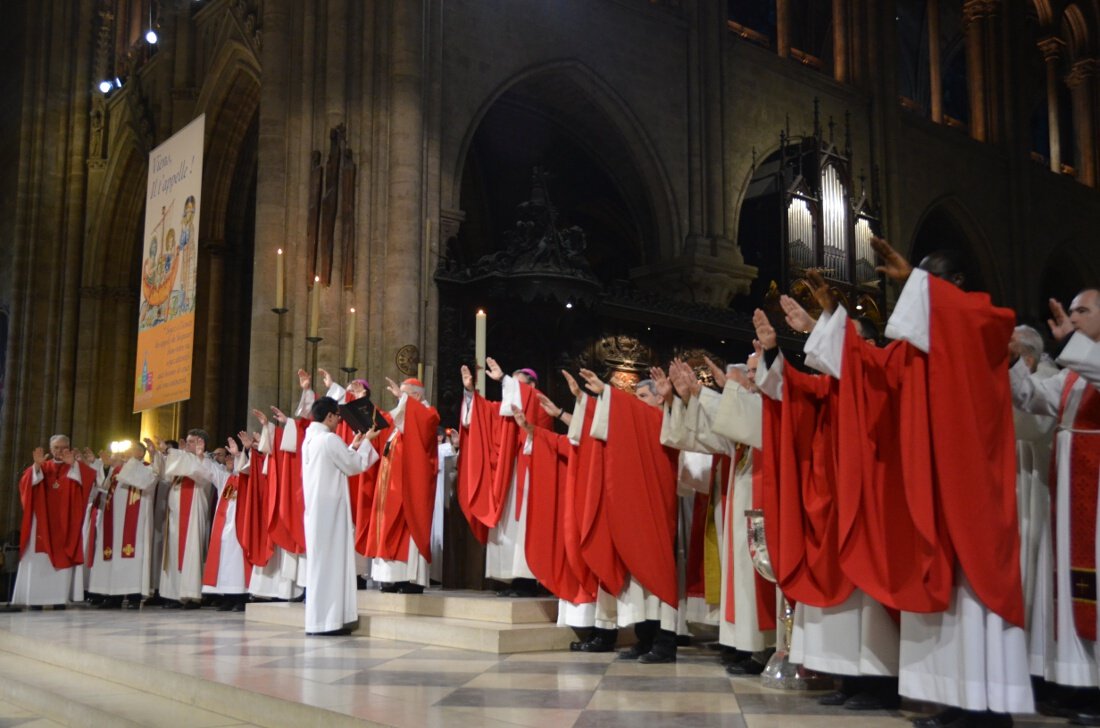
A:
{"points": [[946, 226]]}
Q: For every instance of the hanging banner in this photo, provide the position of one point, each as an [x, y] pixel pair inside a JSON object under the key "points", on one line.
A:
{"points": [[166, 316]]}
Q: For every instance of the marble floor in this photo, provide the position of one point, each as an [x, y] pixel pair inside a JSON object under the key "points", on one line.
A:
{"points": [[399, 683]]}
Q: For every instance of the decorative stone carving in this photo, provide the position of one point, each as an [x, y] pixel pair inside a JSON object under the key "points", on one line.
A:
{"points": [[710, 271]]}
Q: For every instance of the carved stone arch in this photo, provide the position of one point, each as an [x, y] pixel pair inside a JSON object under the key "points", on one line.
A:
{"points": [[641, 159], [230, 98], [1079, 32], [948, 224]]}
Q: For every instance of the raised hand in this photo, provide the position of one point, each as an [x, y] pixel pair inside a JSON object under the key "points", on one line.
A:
{"points": [[741, 378], [39, 456], [231, 447], [591, 381], [260, 417], [765, 332], [758, 348], [326, 378], [246, 439], [521, 420], [279, 415], [87, 455], [717, 372], [574, 388], [493, 369], [467, 378], [662, 383], [394, 389], [371, 433], [304, 379], [797, 317], [68, 456], [1059, 323], [894, 265], [548, 406], [822, 293]]}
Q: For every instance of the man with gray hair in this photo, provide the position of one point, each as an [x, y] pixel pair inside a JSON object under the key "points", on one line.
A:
{"points": [[53, 492]]}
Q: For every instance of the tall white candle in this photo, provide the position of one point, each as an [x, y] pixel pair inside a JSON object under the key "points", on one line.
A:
{"points": [[315, 308], [480, 325], [280, 279], [349, 356]]}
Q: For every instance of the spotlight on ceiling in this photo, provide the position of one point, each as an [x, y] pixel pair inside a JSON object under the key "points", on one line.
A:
{"points": [[151, 37], [118, 82], [104, 86]]}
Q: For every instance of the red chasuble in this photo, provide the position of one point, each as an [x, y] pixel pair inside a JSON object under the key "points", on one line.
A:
{"points": [[640, 490], [889, 524], [57, 503], [364, 490], [802, 535], [495, 440], [404, 497], [973, 441], [252, 492], [597, 546], [287, 512], [547, 534]]}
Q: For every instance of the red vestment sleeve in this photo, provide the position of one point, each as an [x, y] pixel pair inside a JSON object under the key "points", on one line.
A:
{"points": [[251, 525], [805, 533], [596, 545], [476, 464], [640, 483], [974, 442], [368, 482], [288, 514], [546, 536]]}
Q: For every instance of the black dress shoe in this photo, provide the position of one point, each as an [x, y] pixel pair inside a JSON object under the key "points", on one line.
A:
{"points": [[1089, 717], [410, 588], [635, 651], [331, 633], [192, 605], [746, 668], [132, 604], [388, 588], [837, 697], [171, 604], [873, 701], [655, 657], [959, 718], [225, 606]]}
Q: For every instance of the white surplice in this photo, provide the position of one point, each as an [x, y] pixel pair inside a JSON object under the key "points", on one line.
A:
{"points": [[186, 583], [132, 564], [1070, 660], [330, 535]]}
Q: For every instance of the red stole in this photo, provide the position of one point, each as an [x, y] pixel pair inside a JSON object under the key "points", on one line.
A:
{"points": [[187, 497], [404, 498], [130, 522], [973, 440], [640, 484], [1083, 468], [572, 507], [57, 504]]}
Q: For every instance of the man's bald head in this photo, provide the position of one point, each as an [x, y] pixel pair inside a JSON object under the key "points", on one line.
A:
{"points": [[1084, 313]]}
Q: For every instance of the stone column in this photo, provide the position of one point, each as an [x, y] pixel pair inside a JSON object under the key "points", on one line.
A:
{"points": [[211, 388], [783, 27], [935, 68], [1081, 82], [973, 17], [401, 298], [840, 40], [1052, 48]]}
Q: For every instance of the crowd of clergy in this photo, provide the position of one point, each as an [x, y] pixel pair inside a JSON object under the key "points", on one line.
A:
{"points": [[929, 499]]}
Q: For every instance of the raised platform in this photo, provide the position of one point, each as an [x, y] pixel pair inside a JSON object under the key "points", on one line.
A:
{"points": [[465, 620]]}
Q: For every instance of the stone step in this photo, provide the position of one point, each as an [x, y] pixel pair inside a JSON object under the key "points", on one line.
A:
{"points": [[77, 688], [467, 634], [474, 605]]}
